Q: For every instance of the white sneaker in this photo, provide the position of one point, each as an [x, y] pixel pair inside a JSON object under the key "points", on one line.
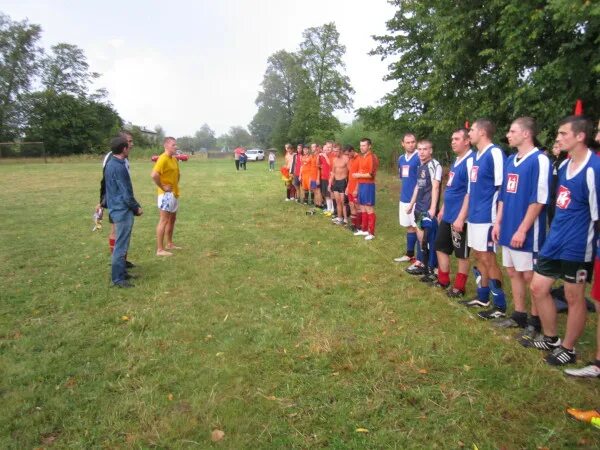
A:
{"points": [[361, 233], [369, 237], [404, 258], [591, 371]]}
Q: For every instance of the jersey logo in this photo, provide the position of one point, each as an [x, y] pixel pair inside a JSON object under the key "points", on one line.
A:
{"points": [[563, 197], [474, 171], [450, 178], [405, 171], [512, 183]]}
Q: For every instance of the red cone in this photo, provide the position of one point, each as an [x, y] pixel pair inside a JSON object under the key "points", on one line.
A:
{"points": [[578, 108]]}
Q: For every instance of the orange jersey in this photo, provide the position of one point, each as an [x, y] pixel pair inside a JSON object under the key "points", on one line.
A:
{"points": [[367, 165], [352, 169]]}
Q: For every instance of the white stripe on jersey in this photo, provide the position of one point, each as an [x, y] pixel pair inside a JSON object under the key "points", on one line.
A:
{"points": [[494, 205], [542, 183], [593, 201], [498, 168]]}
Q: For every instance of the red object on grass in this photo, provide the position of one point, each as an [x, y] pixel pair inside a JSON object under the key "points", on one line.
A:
{"points": [[578, 108]]}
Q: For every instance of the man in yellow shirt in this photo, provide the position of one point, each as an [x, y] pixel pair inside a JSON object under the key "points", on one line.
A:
{"points": [[165, 175]]}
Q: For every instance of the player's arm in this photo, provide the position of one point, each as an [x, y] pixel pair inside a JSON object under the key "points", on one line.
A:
{"points": [[459, 223], [413, 200], [498, 222], [156, 178], [435, 195]]}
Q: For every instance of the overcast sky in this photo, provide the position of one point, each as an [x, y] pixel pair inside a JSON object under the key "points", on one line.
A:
{"points": [[184, 63]]}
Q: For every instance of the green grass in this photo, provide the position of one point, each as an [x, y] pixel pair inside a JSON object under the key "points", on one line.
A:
{"points": [[273, 326]]}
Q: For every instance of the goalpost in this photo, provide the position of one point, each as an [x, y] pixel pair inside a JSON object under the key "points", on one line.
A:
{"points": [[23, 150]]}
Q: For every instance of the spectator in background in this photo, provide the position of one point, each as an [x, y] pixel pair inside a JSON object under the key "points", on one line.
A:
{"points": [[243, 158], [236, 157], [271, 161]]}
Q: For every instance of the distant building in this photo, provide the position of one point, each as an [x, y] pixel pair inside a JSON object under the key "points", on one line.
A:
{"points": [[149, 134]]}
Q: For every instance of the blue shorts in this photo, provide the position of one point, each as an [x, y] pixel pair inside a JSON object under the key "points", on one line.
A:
{"points": [[366, 194], [313, 185]]}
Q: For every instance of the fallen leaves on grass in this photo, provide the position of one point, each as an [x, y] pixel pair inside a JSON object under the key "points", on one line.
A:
{"points": [[362, 430], [423, 371], [217, 435], [125, 318], [170, 397]]}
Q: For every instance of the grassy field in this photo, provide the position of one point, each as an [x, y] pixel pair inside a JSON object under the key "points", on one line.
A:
{"points": [[277, 328]]}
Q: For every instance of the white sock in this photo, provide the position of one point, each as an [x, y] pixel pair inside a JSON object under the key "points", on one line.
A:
{"points": [[329, 205]]}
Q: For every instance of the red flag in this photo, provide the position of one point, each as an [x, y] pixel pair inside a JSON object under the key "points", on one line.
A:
{"points": [[578, 108]]}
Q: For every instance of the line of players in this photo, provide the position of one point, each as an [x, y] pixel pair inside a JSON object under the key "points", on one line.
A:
{"points": [[340, 181], [490, 200]]}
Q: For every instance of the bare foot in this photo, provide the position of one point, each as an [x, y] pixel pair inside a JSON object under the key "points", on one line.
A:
{"points": [[173, 247], [163, 253]]}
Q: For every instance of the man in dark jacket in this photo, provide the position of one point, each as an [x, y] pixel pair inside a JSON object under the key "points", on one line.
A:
{"points": [[122, 206]]}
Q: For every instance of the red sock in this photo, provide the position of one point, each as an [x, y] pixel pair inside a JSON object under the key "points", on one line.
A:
{"points": [[443, 277], [364, 221], [371, 223], [111, 244], [461, 281]]}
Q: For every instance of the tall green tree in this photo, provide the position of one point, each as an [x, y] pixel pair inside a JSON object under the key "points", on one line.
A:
{"points": [[205, 138], [322, 58], [66, 70], [456, 61], [19, 54]]}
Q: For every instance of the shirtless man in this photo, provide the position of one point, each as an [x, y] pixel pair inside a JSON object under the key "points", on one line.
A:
{"points": [[338, 181]]}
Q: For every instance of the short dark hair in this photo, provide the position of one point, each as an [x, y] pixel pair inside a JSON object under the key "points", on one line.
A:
{"points": [[366, 139], [118, 144], [462, 130], [348, 148], [487, 126], [529, 124], [580, 124], [409, 133]]}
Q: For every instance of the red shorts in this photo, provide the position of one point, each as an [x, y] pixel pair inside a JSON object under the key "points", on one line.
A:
{"points": [[596, 282]]}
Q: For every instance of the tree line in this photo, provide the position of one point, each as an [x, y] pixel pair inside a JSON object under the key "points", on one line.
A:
{"points": [[46, 96], [456, 61]]}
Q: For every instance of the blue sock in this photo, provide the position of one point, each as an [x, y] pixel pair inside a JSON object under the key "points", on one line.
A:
{"points": [[432, 253], [498, 294], [483, 293], [411, 240], [420, 253]]}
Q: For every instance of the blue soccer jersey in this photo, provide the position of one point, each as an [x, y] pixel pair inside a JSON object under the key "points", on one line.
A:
{"points": [[526, 181], [407, 171], [456, 187], [427, 173], [571, 236], [485, 180]]}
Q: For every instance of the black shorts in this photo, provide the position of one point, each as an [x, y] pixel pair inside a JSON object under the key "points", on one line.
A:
{"points": [[339, 185], [325, 188], [570, 271], [449, 241]]}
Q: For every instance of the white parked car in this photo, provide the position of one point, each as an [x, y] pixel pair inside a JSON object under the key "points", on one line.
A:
{"points": [[255, 154]]}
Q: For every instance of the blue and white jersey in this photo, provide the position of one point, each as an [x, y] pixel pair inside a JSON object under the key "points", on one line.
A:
{"points": [[427, 173], [571, 236], [485, 180], [456, 187], [407, 171], [526, 181]]}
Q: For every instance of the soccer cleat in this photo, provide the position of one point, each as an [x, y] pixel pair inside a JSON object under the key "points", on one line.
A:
{"points": [[415, 269], [369, 237], [492, 313], [361, 233], [590, 371], [129, 265], [561, 356], [436, 284], [582, 415], [475, 303], [529, 333], [404, 258], [540, 342], [429, 277], [455, 293], [506, 323]]}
